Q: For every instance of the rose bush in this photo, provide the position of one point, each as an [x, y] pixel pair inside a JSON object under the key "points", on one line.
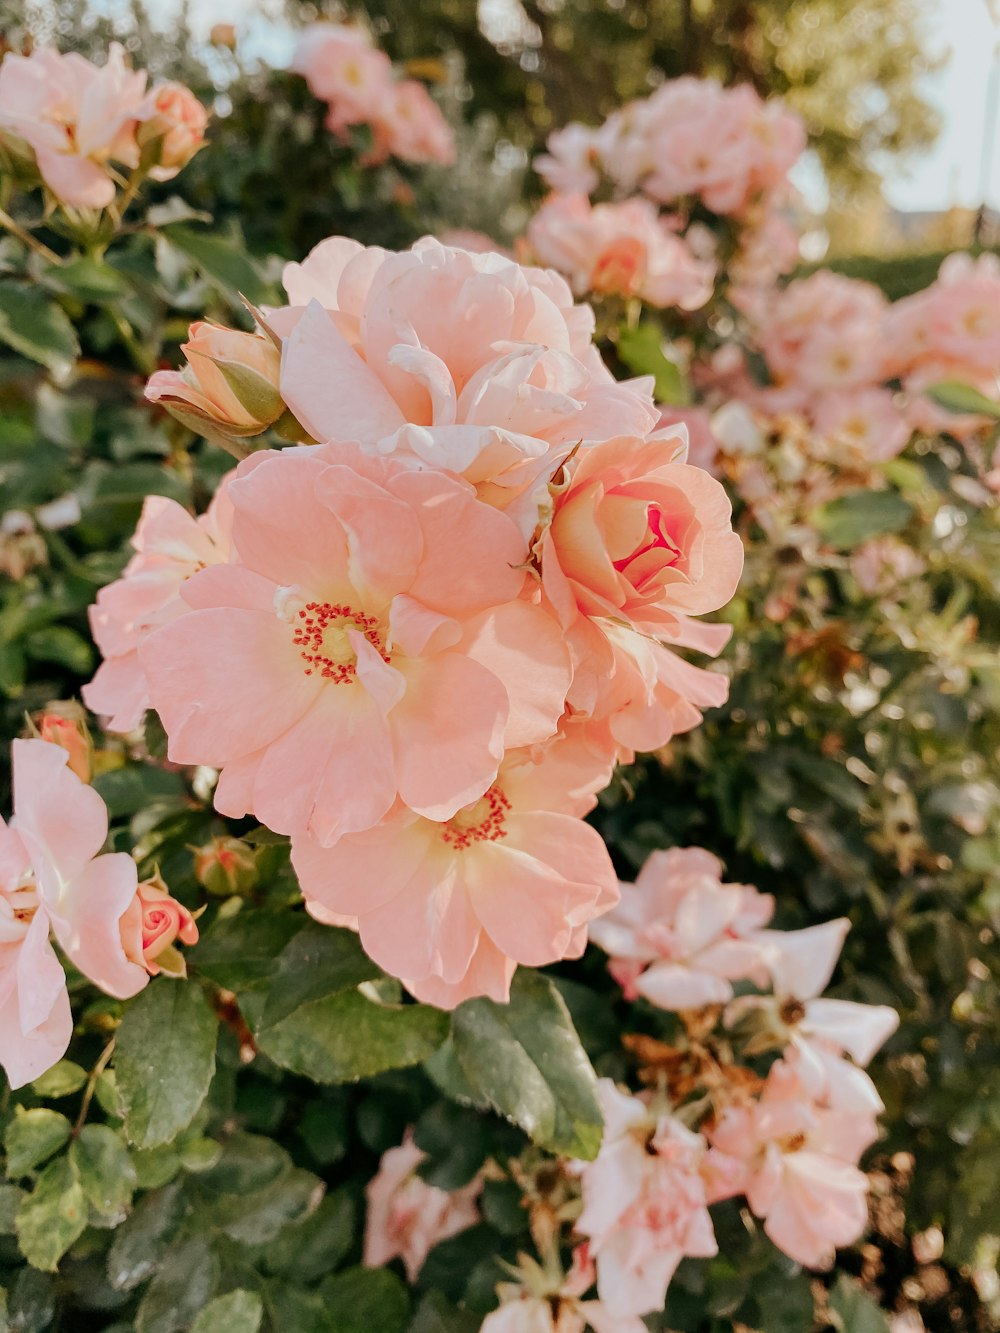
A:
{"points": [[402, 568]]}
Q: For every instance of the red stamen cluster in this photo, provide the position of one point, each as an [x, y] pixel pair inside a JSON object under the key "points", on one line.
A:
{"points": [[316, 618], [489, 829]]}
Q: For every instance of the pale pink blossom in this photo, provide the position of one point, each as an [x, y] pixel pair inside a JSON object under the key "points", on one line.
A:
{"points": [[818, 1029], [369, 643], [644, 1204], [76, 117], [343, 69], [690, 139], [542, 1301], [172, 115], [619, 249], [953, 325], [818, 334], [569, 164], [453, 906], [358, 83], [865, 421], [170, 547], [679, 937], [883, 563], [467, 363], [476, 242], [410, 125], [796, 1162], [407, 1217], [53, 878]]}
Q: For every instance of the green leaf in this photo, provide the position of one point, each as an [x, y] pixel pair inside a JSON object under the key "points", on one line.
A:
{"points": [[241, 952], [238, 1312], [184, 1284], [142, 1240], [314, 1247], [32, 1136], [105, 1173], [786, 1303], [62, 1080], [854, 1310], [342, 1038], [364, 1299], [223, 261], [641, 349], [89, 279], [526, 1061], [318, 961], [954, 396], [53, 1217], [37, 327], [164, 1060], [437, 1315], [10, 1201], [852, 519]]}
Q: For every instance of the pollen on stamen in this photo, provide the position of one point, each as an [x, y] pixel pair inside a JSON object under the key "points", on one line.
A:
{"points": [[321, 636], [483, 821]]}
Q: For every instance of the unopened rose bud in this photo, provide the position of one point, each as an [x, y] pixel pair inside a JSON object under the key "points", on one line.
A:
{"points": [[226, 867], [223, 34], [153, 922], [71, 734], [173, 127], [228, 391]]}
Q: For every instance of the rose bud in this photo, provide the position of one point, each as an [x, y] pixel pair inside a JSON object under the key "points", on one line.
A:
{"points": [[151, 924], [228, 391], [173, 128], [70, 732], [226, 867]]}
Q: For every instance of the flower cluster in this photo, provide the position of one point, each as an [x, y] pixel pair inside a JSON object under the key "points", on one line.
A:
{"points": [[56, 883], [419, 647], [357, 81], [619, 250], [789, 1141], [691, 145], [73, 121], [689, 139]]}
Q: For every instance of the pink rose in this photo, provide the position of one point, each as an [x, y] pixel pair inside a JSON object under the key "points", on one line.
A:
{"points": [[76, 117], [406, 1216], [175, 117], [640, 539], [73, 736], [153, 921]]}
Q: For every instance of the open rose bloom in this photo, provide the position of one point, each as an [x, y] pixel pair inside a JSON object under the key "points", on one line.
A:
{"points": [[419, 646], [57, 885], [80, 121]]}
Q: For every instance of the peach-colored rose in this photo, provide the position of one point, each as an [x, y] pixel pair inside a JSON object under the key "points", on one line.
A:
{"points": [[637, 538], [73, 736], [75, 116], [409, 125], [175, 117], [644, 1205], [228, 391], [170, 546], [619, 249], [153, 921], [54, 878], [406, 1216]]}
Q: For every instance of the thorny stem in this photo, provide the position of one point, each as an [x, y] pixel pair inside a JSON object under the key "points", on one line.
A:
{"points": [[88, 1092], [27, 239]]}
